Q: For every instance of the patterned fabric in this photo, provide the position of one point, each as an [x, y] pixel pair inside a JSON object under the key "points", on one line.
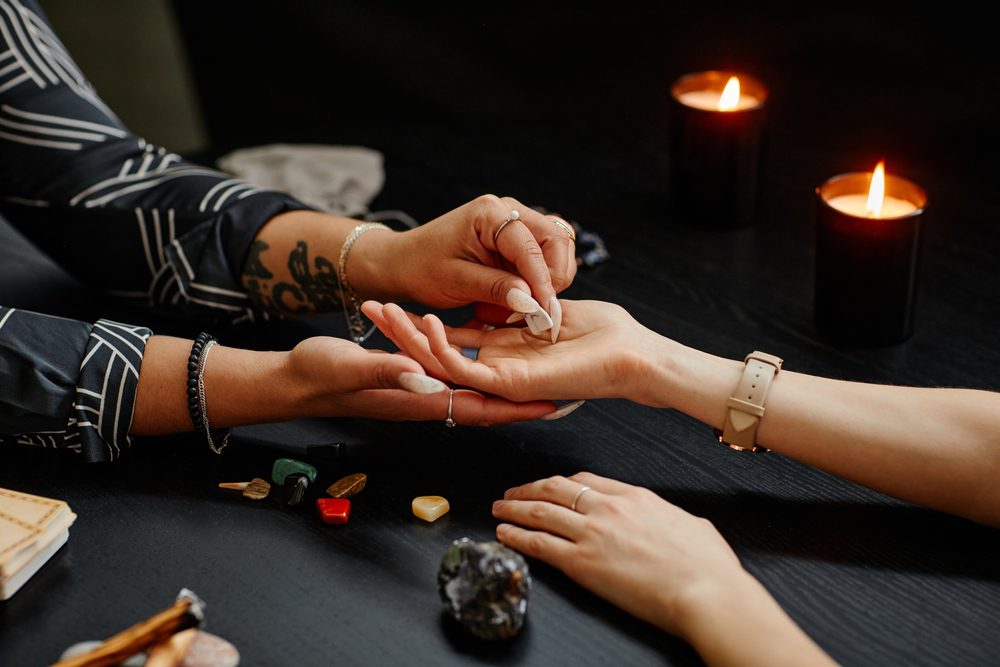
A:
{"points": [[121, 215]]}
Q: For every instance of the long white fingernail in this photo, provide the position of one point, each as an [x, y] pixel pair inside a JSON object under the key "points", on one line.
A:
{"points": [[515, 317], [521, 301], [488, 327], [555, 310], [421, 384], [538, 321], [563, 411]]}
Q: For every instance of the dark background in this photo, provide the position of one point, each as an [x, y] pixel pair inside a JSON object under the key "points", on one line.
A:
{"points": [[566, 107]]}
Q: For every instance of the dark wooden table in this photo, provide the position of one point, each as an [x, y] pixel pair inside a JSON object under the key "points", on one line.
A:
{"points": [[873, 580]]}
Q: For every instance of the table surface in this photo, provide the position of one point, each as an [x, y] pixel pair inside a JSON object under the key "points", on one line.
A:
{"points": [[873, 580]]}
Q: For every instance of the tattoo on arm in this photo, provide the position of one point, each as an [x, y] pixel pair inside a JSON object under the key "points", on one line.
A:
{"points": [[311, 288]]}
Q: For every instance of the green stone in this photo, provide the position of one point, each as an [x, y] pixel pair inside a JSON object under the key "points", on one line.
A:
{"points": [[285, 467]]}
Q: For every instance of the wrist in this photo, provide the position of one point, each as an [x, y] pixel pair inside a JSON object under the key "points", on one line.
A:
{"points": [[373, 265], [694, 382], [248, 387]]}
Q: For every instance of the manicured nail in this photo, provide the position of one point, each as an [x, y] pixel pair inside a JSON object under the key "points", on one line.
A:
{"points": [[514, 317], [563, 411], [555, 310], [538, 322], [521, 301], [421, 384]]}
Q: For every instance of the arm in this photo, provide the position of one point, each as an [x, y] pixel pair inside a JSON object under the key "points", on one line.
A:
{"points": [[657, 562], [936, 447]]}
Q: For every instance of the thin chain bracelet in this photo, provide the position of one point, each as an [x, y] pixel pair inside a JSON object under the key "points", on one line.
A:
{"points": [[203, 403], [355, 324]]}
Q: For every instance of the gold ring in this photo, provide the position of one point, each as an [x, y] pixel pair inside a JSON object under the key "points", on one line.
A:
{"points": [[566, 228]]}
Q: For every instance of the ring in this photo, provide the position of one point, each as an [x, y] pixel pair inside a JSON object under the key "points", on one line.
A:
{"points": [[576, 499], [566, 228], [511, 217], [449, 422]]}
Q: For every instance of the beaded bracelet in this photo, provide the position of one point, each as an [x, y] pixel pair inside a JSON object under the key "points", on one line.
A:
{"points": [[197, 406]]}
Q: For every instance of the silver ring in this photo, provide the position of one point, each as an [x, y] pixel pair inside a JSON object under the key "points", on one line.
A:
{"points": [[566, 228], [449, 422], [511, 217], [583, 490]]}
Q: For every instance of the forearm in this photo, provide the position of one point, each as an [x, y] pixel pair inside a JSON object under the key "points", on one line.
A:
{"points": [[292, 264], [241, 387], [935, 447], [740, 624]]}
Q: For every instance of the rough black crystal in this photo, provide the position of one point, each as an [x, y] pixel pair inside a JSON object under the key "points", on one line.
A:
{"points": [[485, 587]]}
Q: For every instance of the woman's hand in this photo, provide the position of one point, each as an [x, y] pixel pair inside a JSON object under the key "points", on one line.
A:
{"points": [[623, 543], [657, 562], [602, 353], [321, 377], [339, 378], [459, 259]]}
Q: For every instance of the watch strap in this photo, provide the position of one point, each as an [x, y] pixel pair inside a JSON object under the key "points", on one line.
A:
{"points": [[746, 405]]}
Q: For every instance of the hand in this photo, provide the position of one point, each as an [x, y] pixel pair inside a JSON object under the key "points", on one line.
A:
{"points": [[602, 353], [454, 260], [339, 378], [623, 543]]}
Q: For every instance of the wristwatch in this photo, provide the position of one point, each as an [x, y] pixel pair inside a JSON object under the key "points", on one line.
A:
{"points": [[746, 406]]}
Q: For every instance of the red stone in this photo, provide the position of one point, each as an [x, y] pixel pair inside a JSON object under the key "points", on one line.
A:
{"points": [[334, 510]]}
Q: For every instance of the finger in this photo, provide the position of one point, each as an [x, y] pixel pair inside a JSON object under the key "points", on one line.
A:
{"points": [[460, 368], [550, 549], [473, 409], [517, 244], [559, 490], [389, 371], [504, 288], [411, 341], [557, 246], [549, 517], [490, 313], [611, 487]]}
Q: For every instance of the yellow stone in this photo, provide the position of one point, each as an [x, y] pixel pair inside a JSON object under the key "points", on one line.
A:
{"points": [[430, 508]]}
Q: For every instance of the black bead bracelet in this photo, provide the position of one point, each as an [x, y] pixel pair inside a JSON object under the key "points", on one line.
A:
{"points": [[196, 393]]}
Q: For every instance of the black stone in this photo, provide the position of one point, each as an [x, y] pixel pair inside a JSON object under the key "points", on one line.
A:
{"points": [[295, 488]]}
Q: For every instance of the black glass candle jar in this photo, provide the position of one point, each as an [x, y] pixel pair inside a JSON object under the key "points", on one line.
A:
{"points": [[866, 267], [715, 154]]}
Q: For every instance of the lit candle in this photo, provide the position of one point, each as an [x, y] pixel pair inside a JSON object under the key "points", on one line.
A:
{"points": [[717, 121], [867, 249]]}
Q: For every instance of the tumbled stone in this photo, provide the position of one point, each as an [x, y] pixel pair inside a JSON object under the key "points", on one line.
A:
{"points": [[334, 510], [485, 586], [295, 488], [430, 508], [208, 650], [257, 489], [285, 467], [349, 486]]}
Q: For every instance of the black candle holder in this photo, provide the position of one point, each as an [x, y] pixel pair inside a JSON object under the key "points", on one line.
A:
{"points": [[715, 155], [866, 268]]}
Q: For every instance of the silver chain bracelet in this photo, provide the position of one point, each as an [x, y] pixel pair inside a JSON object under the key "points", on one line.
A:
{"points": [[355, 323]]}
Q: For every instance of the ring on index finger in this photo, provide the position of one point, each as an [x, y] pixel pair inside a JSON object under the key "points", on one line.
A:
{"points": [[511, 217]]}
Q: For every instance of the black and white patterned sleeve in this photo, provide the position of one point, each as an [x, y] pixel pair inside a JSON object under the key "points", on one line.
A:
{"points": [[119, 213], [78, 394]]}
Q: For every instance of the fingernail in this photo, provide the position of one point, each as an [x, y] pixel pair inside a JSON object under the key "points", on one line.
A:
{"points": [[502, 528], [488, 327], [563, 411], [421, 384], [508, 493], [515, 317], [555, 310], [538, 322], [497, 505], [521, 301]]}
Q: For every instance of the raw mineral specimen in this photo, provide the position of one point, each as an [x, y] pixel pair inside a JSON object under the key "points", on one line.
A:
{"points": [[485, 587]]}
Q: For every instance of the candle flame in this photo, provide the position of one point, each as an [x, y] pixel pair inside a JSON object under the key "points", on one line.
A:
{"points": [[876, 193], [730, 98]]}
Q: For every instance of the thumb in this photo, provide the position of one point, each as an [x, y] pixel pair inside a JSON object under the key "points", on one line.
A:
{"points": [[395, 371], [491, 285]]}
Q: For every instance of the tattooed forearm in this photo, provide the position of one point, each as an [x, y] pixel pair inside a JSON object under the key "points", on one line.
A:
{"points": [[304, 288]]}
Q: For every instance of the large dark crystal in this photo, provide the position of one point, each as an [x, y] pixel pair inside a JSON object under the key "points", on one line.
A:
{"points": [[485, 587]]}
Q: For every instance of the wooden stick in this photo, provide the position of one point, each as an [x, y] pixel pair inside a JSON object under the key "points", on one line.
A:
{"points": [[137, 638]]}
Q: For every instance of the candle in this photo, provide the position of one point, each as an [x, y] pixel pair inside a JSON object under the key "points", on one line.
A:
{"points": [[867, 247], [717, 122]]}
